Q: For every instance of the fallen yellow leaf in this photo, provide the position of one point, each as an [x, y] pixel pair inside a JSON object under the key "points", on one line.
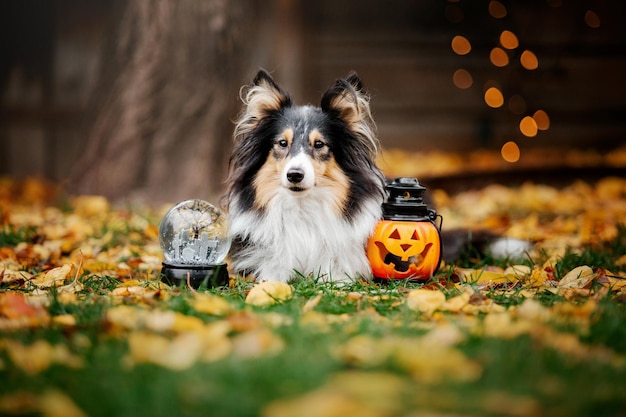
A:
{"points": [[621, 261], [532, 309], [54, 403], [177, 354], [323, 321], [66, 320], [355, 393], [311, 303], [502, 325], [123, 316], [54, 277], [90, 205], [483, 277], [211, 304], [579, 277], [538, 277], [425, 301], [215, 341], [363, 350], [319, 403], [268, 293], [502, 403], [457, 303], [9, 276], [518, 271], [255, 343], [185, 323], [430, 363], [40, 355], [130, 283], [18, 402]]}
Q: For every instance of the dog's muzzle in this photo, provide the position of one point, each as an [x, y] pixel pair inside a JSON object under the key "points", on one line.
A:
{"points": [[299, 174], [295, 175]]}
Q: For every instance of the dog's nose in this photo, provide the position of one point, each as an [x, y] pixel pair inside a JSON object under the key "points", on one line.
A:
{"points": [[295, 175]]}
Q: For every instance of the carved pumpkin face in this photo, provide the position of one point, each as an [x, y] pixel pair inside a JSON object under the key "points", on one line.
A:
{"points": [[400, 250]]}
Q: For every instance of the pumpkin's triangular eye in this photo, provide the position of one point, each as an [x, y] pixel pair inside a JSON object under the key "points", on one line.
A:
{"points": [[395, 234], [414, 235]]}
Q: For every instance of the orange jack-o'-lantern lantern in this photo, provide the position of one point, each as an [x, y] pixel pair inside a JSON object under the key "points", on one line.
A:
{"points": [[407, 242]]}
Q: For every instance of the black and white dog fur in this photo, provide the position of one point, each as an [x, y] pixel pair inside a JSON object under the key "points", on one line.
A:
{"points": [[304, 192]]}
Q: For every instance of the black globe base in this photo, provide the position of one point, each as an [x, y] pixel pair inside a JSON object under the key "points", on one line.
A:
{"points": [[197, 276]]}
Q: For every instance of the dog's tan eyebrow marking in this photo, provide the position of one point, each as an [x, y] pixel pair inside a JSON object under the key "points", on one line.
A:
{"points": [[288, 135], [315, 135]]}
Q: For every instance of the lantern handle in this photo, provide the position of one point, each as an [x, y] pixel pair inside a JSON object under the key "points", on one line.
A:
{"points": [[434, 216]]}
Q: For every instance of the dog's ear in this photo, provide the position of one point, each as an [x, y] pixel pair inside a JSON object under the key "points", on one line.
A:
{"points": [[265, 96], [259, 99], [347, 100]]}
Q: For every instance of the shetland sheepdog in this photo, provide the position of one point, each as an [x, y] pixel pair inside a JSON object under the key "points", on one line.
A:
{"points": [[304, 192]]}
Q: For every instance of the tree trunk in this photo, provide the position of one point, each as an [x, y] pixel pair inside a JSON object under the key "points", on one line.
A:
{"points": [[168, 92]]}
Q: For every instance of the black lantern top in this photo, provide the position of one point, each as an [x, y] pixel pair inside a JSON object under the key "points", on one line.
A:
{"points": [[405, 201]]}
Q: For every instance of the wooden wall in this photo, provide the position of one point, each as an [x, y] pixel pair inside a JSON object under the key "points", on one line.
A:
{"points": [[401, 49]]}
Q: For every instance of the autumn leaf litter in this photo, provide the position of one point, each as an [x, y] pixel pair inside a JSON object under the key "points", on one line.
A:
{"points": [[89, 273]]}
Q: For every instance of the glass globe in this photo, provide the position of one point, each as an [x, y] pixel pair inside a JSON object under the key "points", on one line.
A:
{"points": [[194, 239]]}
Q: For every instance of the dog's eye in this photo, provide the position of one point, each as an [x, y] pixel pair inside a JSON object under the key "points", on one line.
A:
{"points": [[318, 144], [283, 143]]}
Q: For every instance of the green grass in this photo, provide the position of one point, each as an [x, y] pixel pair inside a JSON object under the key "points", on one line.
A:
{"points": [[520, 375], [557, 385], [11, 235]]}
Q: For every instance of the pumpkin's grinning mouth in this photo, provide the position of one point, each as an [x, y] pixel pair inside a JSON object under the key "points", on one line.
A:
{"points": [[395, 260]]}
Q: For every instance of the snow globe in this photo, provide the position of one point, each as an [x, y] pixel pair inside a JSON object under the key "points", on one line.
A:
{"points": [[194, 239]]}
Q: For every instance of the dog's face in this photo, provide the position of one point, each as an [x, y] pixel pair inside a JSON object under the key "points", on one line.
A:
{"points": [[301, 156], [300, 152], [282, 149]]}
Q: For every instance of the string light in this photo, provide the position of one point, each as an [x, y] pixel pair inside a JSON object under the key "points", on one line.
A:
{"points": [[497, 9], [510, 152], [508, 40], [462, 79], [460, 45], [494, 97], [528, 127], [529, 60], [498, 57], [542, 120], [501, 56], [592, 19]]}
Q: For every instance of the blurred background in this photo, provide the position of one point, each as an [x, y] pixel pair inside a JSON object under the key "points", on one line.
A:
{"points": [[136, 100]]}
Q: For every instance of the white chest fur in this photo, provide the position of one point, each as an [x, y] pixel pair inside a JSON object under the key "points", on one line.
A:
{"points": [[301, 233]]}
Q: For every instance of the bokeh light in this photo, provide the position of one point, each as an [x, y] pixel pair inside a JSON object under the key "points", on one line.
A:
{"points": [[542, 120], [460, 45], [508, 40], [592, 19], [529, 60], [499, 57], [510, 152], [494, 97], [462, 79], [497, 9], [517, 104], [528, 127]]}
